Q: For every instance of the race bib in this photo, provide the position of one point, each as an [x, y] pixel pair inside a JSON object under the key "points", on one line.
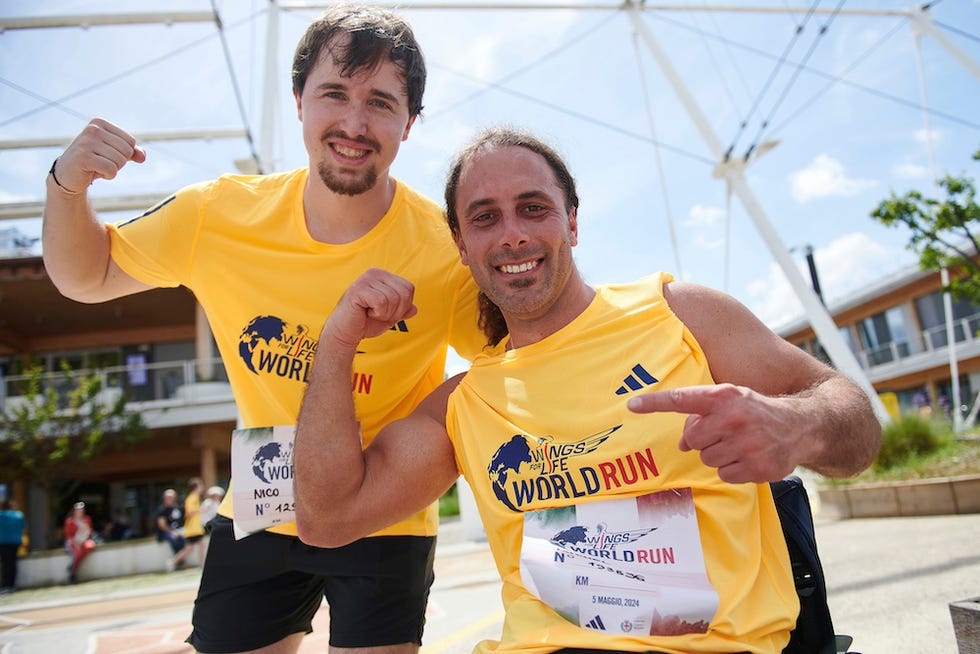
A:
{"points": [[623, 566], [262, 467]]}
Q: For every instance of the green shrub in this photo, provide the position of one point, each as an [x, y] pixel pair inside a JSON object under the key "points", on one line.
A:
{"points": [[911, 436], [449, 504]]}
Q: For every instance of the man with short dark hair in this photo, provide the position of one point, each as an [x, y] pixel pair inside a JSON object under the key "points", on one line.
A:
{"points": [[268, 257]]}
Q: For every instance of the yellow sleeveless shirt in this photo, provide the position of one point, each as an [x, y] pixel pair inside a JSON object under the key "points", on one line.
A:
{"points": [[605, 534]]}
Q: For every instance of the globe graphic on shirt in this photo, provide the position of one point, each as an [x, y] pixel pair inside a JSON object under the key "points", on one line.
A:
{"points": [[267, 457], [263, 328], [508, 457]]}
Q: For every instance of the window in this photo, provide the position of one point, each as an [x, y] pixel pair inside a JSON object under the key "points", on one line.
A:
{"points": [[932, 318], [884, 336]]}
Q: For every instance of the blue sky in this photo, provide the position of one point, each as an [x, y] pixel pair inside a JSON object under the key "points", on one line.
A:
{"points": [[841, 97]]}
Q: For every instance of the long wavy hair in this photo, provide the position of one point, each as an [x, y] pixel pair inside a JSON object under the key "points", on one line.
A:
{"points": [[491, 320]]}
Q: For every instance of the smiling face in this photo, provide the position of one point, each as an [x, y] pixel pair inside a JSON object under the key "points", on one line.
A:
{"points": [[516, 233], [353, 125]]}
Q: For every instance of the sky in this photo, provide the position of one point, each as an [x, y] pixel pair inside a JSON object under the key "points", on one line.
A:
{"points": [[838, 98]]}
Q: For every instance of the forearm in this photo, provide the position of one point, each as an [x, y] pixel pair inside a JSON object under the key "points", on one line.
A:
{"points": [[841, 426], [75, 244], [328, 456]]}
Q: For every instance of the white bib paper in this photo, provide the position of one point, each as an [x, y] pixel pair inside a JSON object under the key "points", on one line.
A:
{"points": [[262, 469], [622, 566]]}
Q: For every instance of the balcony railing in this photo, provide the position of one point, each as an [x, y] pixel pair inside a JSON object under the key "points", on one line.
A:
{"points": [[173, 383], [965, 330]]}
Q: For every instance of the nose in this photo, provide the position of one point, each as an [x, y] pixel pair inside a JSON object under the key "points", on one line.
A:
{"points": [[514, 233], [354, 119]]}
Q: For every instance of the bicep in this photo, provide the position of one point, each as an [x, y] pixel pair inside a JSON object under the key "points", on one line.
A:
{"points": [[739, 348], [413, 459], [119, 283]]}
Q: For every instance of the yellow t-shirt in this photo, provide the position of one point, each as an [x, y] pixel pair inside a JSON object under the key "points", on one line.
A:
{"points": [[241, 244], [192, 516], [604, 533]]}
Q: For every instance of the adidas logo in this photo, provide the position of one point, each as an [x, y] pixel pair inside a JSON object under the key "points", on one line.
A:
{"points": [[399, 326], [639, 379], [596, 623]]}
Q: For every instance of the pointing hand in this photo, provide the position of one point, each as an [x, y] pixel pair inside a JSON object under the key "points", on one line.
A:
{"points": [[747, 436]]}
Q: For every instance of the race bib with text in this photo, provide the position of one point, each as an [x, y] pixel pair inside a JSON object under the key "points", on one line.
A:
{"points": [[621, 566], [262, 467]]}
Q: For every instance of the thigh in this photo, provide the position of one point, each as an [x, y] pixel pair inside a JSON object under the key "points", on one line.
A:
{"points": [[249, 596], [387, 606]]}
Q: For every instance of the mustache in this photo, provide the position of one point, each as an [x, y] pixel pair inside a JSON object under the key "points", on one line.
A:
{"points": [[362, 140]]}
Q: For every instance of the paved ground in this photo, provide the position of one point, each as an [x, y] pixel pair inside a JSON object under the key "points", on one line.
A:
{"points": [[890, 582]]}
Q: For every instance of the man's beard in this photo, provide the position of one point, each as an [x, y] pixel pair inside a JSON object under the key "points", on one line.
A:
{"points": [[346, 185]]}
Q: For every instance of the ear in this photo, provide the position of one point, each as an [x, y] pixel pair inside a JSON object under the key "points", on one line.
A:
{"points": [[573, 227], [408, 128], [299, 105], [462, 249]]}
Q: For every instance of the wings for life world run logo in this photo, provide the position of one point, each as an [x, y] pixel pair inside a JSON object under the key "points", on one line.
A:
{"points": [[273, 462], [269, 345], [527, 470]]}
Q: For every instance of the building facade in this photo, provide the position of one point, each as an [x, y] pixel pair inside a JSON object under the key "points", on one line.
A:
{"points": [[897, 330], [153, 348]]}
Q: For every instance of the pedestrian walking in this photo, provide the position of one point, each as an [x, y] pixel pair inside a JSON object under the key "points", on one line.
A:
{"points": [[12, 528]]}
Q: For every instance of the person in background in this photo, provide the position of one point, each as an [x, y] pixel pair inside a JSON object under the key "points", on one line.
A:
{"points": [[79, 541], [12, 530], [193, 528], [209, 507], [118, 529], [170, 528]]}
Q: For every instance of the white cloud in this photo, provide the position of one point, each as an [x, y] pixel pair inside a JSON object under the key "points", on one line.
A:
{"points": [[928, 135], [825, 178], [847, 264], [909, 170], [702, 216], [703, 242]]}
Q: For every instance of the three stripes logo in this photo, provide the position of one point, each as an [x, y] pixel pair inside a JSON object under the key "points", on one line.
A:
{"points": [[639, 379], [596, 623], [399, 326]]}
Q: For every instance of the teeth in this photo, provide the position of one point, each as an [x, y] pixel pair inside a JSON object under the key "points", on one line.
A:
{"points": [[348, 152], [519, 268]]}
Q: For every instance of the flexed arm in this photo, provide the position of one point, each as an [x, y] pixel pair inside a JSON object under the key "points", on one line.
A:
{"points": [[343, 493], [75, 242]]}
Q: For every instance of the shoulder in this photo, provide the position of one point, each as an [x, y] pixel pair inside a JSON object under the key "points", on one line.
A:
{"points": [[701, 308], [271, 183], [417, 201], [416, 211]]}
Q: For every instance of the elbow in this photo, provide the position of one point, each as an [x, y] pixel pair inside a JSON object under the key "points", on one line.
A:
{"points": [[70, 286], [874, 445], [319, 530]]}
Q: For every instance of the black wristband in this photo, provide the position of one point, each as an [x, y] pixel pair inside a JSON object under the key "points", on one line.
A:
{"points": [[55, 178]]}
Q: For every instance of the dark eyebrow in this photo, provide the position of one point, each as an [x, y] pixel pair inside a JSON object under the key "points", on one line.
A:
{"points": [[526, 195], [533, 195], [477, 204], [331, 86], [385, 96], [378, 93]]}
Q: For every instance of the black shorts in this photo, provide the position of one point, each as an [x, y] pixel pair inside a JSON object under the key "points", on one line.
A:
{"points": [[262, 588]]}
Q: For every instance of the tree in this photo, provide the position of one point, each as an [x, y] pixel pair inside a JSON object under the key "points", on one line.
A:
{"points": [[51, 431], [944, 232]]}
